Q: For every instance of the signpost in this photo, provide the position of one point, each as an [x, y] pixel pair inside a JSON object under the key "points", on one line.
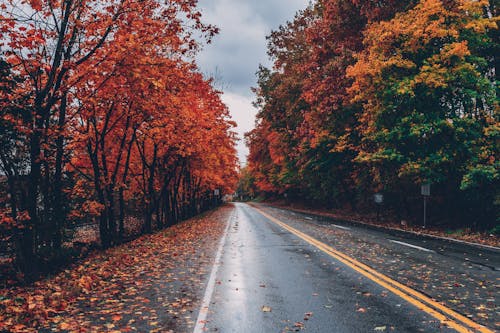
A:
{"points": [[216, 197], [426, 192], [379, 200]]}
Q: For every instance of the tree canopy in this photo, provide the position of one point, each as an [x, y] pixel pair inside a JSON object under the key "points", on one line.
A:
{"points": [[369, 97]]}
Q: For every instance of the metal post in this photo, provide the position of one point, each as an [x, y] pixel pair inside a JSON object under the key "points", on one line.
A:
{"points": [[425, 211]]}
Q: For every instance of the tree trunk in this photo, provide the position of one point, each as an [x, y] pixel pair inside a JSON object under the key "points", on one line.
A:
{"points": [[121, 217], [59, 216], [27, 251], [150, 193]]}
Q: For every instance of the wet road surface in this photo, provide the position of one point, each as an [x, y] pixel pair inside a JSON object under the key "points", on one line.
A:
{"points": [[270, 280]]}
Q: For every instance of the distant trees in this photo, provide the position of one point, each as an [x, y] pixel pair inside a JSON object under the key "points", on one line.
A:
{"points": [[103, 110], [246, 189], [366, 99]]}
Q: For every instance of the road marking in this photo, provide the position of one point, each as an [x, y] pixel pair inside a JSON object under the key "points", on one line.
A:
{"points": [[459, 322], [202, 316], [411, 245], [340, 227]]}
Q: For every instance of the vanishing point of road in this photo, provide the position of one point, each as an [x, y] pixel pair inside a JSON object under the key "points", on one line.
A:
{"points": [[281, 271]]}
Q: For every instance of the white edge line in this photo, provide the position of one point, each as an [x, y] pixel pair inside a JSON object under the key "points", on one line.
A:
{"points": [[202, 315], [489, 247], [340, 227], [411, 245]]}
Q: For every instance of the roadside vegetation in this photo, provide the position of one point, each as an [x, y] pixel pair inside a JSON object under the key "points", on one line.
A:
{"points": [[106, 124], [370, 98]]}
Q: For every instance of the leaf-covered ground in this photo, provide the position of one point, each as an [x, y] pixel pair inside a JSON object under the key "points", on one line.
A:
{"points": [[152, 284], [466, 235]]}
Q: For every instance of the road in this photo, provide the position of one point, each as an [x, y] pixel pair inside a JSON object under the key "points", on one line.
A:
{"points": [[279, 271]]}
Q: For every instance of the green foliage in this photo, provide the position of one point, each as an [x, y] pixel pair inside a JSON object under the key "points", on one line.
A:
{"points": [[246, 189], [367, 99]]}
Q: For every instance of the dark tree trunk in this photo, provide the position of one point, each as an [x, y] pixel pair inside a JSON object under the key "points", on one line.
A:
{"points": [[151, 193], [121, 216], [28, 259], [110, 210], [58, 208]]}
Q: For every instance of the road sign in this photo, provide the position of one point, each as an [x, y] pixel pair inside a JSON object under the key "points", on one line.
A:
{"points": [[378, 198], [426, 190], [216, 192]]}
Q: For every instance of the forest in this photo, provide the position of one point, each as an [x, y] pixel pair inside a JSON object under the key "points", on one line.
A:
{"points": [[105, 120], [382, 97]]}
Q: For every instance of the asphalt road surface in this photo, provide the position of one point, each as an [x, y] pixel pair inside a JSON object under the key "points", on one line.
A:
{"points": [[279, 271]]}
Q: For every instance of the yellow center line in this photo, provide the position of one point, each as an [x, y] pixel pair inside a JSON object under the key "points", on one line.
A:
{"points": [[460, 323]]}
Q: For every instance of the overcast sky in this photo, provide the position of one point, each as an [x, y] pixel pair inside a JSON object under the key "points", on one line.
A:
{"points": [[235, 54]]}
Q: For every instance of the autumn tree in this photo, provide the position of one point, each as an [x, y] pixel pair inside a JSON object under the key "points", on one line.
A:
{"points": [[275, 143], [304, 101], [429, 102], [382, 96], [246, 189], [91, 87], [330, 138]]}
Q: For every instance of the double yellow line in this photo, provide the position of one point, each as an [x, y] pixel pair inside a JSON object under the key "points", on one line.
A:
{"points": [[444, 314]]}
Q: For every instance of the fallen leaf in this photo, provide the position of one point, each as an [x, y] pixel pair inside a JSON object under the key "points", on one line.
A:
{"points": [[299, 324], [266, 308], [64, 326]]}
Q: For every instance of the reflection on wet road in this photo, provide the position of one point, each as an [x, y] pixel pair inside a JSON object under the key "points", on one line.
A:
{"points": [[271, 280]]}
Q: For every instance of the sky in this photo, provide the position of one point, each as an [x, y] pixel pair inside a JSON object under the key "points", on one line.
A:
{"points": [[235, 54]]}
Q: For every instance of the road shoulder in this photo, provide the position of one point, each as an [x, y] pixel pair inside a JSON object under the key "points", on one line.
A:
{"points": [[491, 243]]}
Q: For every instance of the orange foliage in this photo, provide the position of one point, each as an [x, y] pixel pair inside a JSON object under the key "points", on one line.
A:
{"points": [[119, 106]]}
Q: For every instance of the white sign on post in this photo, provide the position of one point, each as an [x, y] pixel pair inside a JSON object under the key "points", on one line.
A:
{"points": [[426, 190], [216, 192]]}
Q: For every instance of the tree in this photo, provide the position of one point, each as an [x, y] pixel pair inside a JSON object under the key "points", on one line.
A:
{"points": [[369, 96], [428, 98], [103, 82]]}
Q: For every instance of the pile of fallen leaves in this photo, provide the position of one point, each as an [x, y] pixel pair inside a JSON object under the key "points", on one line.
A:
{"points": [[123, 287], [466, 235]]}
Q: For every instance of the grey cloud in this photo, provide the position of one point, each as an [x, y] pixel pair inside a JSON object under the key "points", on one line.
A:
{"points": [[235, 54], [241, 45]]}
